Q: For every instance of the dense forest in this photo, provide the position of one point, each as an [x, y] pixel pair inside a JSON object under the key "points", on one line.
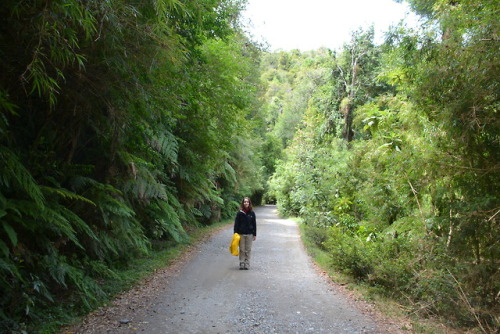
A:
{"points": [[125, 125], [394, 161]]}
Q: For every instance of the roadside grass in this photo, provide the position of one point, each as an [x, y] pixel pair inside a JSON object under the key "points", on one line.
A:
{"points": [[162, 255], [407, 321]]}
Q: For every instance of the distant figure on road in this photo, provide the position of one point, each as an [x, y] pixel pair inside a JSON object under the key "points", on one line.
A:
{"points": [[245, 224]]}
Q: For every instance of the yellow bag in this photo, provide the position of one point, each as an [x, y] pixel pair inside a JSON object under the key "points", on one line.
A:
{"points": [[234, 246]]}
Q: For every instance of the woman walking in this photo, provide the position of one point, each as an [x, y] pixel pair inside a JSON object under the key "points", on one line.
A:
{"points": [[245, 224]]}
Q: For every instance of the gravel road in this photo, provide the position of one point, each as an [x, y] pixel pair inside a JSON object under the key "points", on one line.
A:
{"points": [[283, 292]]}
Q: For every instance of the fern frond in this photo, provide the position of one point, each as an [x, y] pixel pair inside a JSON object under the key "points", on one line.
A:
{"points": [[145, 184], [13, 173], [166, 144], [124, 233], [66, 194], [57, 267], [76, 221], [6, 105], [23, 212], [228, 172], [80, 183], [40, 287], [168, 220], [98, 269], [113, 208], [89, 290], [8, 268], [56, 217], [196, 212], [10, 233], [59, 224]]}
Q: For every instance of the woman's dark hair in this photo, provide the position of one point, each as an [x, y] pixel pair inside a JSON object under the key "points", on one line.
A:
{"points": [[242, 206]]}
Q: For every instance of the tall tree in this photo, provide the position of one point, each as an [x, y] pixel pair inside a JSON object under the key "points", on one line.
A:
{"points": [[355, 70]]}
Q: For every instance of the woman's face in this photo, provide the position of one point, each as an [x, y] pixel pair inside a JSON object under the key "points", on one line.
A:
{"points": [[246, 203]]}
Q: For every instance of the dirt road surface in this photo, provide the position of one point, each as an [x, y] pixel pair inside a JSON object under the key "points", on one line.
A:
{"points": [[283, 292]]}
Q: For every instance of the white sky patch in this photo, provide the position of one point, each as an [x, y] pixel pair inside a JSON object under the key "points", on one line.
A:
{"points": [[311, 24]]}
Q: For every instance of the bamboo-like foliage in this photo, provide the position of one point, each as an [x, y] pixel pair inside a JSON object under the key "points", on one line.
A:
{"points": [[117, 124]]}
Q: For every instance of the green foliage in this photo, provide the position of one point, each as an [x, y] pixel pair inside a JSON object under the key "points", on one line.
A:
{"points": [[122, 124], [125, 124], [398, 165]]}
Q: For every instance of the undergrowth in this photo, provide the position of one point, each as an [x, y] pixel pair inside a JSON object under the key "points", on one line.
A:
{"points": [[127, 276], [398, 277]]}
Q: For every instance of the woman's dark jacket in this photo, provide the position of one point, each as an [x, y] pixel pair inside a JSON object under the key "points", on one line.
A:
{"points": [[245, 223]]}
